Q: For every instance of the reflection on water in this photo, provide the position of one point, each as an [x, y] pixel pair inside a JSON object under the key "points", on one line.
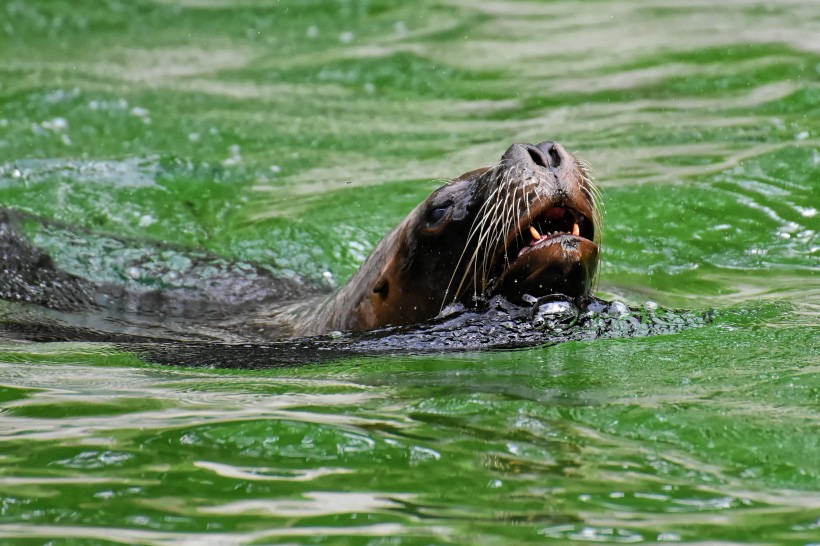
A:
{"points": [[296, 134]]}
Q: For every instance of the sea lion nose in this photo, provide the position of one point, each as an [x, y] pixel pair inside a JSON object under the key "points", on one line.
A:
{"points": [[552, 151], [546, 155]]}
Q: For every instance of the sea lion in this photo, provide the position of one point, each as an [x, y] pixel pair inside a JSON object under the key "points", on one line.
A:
{"points": [[526, 227], [521, 229]]}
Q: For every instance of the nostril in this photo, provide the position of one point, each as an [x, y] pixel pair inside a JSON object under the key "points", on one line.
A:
{"points": [[551, 151], [555, 157], [537, 157]]}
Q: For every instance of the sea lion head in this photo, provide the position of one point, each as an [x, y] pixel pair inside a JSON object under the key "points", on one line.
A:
{"points": [[528, 225]]}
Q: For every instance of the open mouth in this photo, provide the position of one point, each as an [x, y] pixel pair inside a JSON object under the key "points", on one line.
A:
{"points": [[547, 226]]}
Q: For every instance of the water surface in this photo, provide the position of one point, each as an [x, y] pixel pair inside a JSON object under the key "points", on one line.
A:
{"points": [[296, 134]]}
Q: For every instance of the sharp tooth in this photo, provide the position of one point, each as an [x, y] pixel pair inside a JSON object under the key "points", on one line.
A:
{"points": [[535, 234], [576, 230]]}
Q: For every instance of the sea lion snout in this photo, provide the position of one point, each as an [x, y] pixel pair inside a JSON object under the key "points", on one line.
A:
{"points": [[550, 222]]}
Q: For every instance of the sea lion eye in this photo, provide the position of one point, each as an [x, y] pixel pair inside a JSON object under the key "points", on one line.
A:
{"points": [[435, 215]]}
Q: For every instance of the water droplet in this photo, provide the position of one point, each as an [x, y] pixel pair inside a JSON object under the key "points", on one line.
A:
{"points": [[328, 277], [619, 308]]}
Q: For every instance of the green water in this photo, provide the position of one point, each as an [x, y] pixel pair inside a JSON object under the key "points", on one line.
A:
{"points": [[297, 133]]}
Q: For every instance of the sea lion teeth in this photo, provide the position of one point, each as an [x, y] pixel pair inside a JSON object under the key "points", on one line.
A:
{"points": [[535, 234], [576, 230]]}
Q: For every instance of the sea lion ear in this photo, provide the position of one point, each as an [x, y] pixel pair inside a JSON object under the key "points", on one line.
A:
{"points": [[382, 286]]}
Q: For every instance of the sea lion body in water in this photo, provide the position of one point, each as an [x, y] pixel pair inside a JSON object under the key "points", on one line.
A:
{"points": [[509, 253], [526, 226], [523, 228]]}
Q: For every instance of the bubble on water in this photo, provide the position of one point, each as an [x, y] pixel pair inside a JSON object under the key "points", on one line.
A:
{"points": [[619, 308], [235, 157], [56, 124], [275, 169], [134, 272], [16, 173], [142, 113], [802, 135], [808, 212], [65, 139], [146, 220], [312, 31], [346, 37], [194, 137], [139, 112]]}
